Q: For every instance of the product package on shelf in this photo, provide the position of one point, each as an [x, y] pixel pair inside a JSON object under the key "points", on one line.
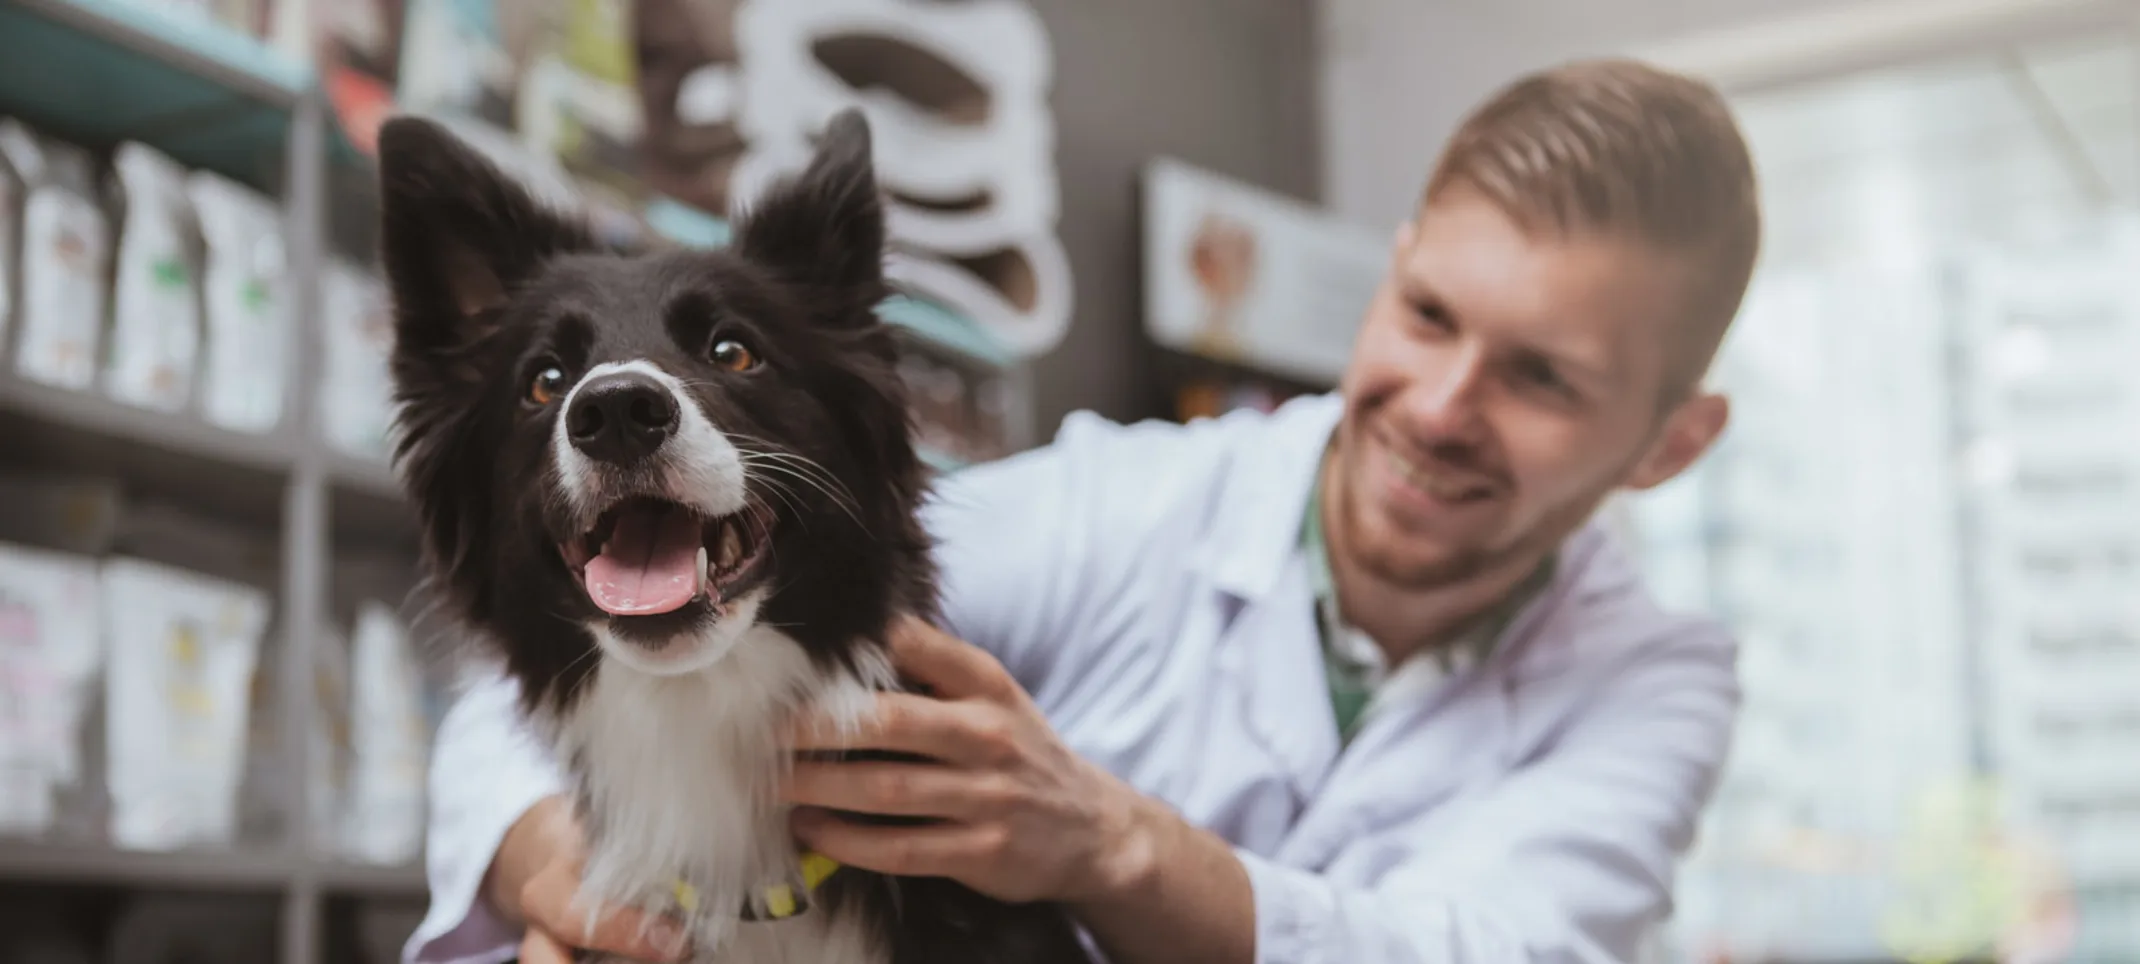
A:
{"points": [[390, 738], [50, 652], [457, 57], [65, 247], [183, 649], [269, 774], [10, 228], [356, 402], [156, 318], [244, 295]]}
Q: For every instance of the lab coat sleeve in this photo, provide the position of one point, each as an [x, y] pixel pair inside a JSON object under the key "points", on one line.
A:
{"points": [[486, 770], [1568, 860]]}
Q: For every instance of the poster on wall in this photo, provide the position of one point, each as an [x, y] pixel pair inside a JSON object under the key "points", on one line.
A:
{"points": [[1248, 277]]}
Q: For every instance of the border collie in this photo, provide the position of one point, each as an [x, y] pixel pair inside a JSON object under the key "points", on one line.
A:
{"points": [[675, 493]]}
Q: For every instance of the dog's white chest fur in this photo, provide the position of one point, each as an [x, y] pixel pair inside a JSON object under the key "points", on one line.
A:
{"points": [[680, 779]]}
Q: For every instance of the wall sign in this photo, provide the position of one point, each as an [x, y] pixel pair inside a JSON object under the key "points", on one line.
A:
{"points": [[1249, 277]]}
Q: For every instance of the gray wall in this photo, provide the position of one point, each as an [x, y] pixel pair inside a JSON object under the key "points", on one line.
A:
{"points": [[1226, 84], [1398, 75]]}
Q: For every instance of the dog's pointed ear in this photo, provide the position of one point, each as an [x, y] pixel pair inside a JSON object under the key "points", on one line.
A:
{"points": [[824, 228], [456, 234]]}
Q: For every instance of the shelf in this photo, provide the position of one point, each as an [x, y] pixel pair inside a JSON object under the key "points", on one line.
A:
{"points": [[40, 862], [369, 477], [203, 869], [102, 71], [89, 412], [941, 461], [346, 878], [940, 327]]}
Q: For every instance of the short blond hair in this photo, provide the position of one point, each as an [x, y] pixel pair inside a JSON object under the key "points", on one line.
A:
{"points": [[1620, 148]]}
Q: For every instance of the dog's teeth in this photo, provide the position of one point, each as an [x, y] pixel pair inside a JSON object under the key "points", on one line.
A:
{"points": [[731, 546], [704, 578]]}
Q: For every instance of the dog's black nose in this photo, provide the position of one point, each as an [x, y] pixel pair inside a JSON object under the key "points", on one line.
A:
{"points": [[621, 418]]}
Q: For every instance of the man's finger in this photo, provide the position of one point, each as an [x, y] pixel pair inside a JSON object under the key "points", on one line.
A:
{"points": [[895, 789], [540, 948], [951, 667], [971, 734], [936, 850], [551, 903]]}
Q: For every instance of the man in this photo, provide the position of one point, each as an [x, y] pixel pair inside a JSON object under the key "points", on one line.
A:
{"points": [[1357, 681]]}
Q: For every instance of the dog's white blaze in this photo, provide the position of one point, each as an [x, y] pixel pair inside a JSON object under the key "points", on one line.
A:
{"points": [[703, 469], [683, 771]]}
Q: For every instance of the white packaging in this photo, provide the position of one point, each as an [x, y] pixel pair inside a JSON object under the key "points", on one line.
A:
{"points": [[390, 736], [245, 304], [357, 389], [183, 652], [49, 653], [156, 314], [270, 766], [66, 249], [10, 225]]}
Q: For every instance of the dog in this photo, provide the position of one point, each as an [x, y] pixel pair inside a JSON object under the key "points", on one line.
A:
{"points": [[675, 494]]}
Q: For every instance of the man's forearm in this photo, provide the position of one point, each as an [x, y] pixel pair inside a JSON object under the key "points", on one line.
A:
{"points": [[1183, 898], [533, 840]]}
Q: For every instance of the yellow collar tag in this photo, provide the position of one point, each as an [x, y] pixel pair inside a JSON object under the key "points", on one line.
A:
{"points": [[779, 900]]}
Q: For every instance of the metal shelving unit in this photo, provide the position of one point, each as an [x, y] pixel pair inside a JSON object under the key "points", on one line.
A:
{"points": [[97, 72]]}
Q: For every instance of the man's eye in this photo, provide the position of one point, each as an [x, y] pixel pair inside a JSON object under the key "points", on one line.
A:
{"points": [[1539, 373], [547, 385], [1432, 316]]}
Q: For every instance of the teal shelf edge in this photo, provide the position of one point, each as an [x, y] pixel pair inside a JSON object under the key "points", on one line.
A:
{"points": [[244, 62], [103, 71], [941, 461], [930, 321]]}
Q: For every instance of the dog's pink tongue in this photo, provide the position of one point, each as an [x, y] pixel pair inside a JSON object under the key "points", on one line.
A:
{"points": [[650, 564]]}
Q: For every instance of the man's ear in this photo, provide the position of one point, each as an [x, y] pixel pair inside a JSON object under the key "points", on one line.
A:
{"points": [[456, 235], [1688, 432], [824, 228]]}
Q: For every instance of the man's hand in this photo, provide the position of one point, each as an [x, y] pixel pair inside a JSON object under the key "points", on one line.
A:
{"points": [[534, 880], [1022, 817]]}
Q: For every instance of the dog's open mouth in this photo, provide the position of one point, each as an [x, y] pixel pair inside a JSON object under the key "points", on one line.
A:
{"points": [[647, 557]]}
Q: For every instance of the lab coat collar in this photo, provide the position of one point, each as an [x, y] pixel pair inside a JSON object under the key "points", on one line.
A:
{"points": [[1272, 482]]}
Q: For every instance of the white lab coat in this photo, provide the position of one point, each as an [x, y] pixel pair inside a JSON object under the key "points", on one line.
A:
{"points": [[1145, 583]]}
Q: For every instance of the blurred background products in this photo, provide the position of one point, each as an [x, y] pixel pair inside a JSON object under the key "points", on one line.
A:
{"points": [[218, 678]]}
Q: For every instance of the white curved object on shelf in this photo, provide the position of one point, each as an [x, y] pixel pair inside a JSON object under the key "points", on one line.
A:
{"points": [[1005, 160]]}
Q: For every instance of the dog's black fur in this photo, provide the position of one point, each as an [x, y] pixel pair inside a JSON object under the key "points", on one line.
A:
{"points": [[489, 289]]}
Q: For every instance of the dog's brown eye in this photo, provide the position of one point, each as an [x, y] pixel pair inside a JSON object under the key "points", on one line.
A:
{"points": [[548, 384], [733, 356]]}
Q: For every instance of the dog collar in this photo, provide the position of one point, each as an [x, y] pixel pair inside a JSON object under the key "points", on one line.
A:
{"points": [[779, 901]]}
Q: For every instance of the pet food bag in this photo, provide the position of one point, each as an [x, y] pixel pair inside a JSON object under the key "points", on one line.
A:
{"points": [[65, 253], [245, 302], [10, 228], [49, 654], [156, 316], [183, 649], [390, 736], [270, 767], [358, 403]]}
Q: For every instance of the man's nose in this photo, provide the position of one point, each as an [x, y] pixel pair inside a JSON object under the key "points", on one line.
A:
{"points": [[1446, 400]]}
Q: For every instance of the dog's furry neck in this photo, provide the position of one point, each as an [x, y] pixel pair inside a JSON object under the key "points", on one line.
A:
{"points": [[678, 776]]}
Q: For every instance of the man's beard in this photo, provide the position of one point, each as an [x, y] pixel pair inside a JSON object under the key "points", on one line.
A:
{"points": [[1461, 562]]}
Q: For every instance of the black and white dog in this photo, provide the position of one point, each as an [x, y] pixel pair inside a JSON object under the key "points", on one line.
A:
{"points": [[675, 493]]}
